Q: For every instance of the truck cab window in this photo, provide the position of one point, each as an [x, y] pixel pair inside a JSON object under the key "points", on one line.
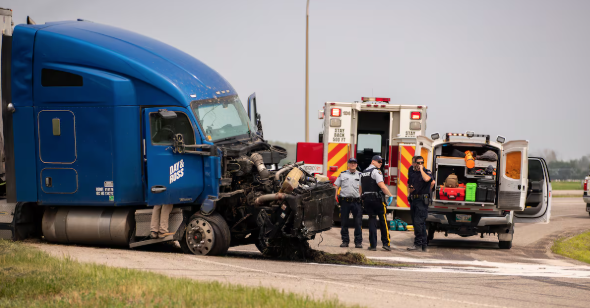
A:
{"points": [[163, 130], [55, 78], [222, 118]]}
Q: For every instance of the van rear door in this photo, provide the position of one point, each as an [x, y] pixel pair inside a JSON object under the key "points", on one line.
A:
{"points": [[538, 199], [513, 175]]}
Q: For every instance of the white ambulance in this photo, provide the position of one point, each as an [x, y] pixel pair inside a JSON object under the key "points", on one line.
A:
{"points": [[362, 130], [512, 188]]}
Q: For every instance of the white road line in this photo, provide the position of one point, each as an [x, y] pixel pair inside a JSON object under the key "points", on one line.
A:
{"points": [[494, 268], [342, 284]]}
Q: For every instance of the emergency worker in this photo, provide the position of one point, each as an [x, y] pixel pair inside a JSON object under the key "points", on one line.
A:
{"points": [[349, 182], [374, 189], [411, 172], [159, 225], [420, 183]]}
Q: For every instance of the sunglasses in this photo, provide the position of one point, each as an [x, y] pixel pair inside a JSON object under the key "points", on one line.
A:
{"points": [[420, 162], [379, 161]]}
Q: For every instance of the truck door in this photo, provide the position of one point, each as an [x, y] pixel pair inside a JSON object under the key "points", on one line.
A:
{"points": [[513, 175], [538, 199], [424, 149], [171, 178]]}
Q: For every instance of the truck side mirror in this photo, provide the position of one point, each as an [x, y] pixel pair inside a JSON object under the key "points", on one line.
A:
{"points": [[178, 144], [167, 114]]}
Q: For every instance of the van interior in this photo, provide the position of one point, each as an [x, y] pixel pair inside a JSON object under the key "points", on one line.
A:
{"points": [[372, 137], [450, 159]]}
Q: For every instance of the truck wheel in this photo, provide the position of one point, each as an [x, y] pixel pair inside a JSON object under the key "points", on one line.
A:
{"points": [[430, 236], [505, 244], [206, 235]]}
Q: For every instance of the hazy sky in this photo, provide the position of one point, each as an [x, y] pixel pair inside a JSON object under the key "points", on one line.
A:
{"points": [[520, 69]]}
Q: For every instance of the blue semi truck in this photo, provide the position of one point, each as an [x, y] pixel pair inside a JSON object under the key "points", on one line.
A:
{"points": [[100, 124]]}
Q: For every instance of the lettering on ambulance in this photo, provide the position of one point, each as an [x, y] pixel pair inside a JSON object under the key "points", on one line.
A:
{"points": [[339, 135], [176, 171], [410, 133]]}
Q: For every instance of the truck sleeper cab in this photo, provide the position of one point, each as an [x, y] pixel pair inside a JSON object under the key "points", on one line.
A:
{"points": [[106, 123], [499, 192]]}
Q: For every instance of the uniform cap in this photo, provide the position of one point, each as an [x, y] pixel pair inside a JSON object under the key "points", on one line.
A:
{"points": [[377, 158], [352, 160]]}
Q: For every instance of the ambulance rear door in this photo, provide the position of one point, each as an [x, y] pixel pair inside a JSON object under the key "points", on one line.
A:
{"points": [[338, 138], [424, 149], [538, 194], [513, 175]]}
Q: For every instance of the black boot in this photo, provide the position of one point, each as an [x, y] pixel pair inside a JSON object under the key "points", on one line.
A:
{"points": [[413, 248], [372, 248], [344, 245], [424, 248], [358, 245]]}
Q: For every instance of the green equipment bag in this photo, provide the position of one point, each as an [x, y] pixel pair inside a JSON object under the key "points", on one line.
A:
{"points": [[470, 191], [398, 225]]}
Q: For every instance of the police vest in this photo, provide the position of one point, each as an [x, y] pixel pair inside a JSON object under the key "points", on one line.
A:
{"points": [[368, 183]]}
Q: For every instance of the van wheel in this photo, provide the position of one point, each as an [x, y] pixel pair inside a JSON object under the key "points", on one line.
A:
{"points": [[206, 235], [430, 235], [505, 244]]}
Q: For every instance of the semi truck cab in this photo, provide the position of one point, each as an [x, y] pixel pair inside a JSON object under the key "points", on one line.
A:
{"points": [[507, 186], [101, 124]]}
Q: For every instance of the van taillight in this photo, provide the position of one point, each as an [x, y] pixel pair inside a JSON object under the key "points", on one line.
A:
{"points": [[585, 185], [335, 112], [415, 115]]}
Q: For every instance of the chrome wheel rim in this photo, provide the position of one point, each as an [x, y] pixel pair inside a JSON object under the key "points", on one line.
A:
{"points": [[200, 236]]}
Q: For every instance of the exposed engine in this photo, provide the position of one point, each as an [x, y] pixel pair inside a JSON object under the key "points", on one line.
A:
{"points": [[278, 210]]}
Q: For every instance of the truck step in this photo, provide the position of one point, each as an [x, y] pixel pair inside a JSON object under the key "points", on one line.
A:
{"points": [[152, 241]]}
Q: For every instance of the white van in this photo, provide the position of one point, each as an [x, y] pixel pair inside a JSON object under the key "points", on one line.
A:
{"points": [[512, 189], [586, 195]]}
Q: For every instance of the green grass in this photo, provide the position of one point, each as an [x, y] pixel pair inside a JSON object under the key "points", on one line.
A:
{"points": [[566, 185], [577, 247], [31, 278]]}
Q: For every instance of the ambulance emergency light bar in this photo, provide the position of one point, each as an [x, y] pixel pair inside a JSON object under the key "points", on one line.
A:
{"points": [[375, 99], [468, 135]]}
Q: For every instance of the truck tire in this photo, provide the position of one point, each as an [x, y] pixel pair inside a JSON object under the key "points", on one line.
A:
{"points": [[505, 244], [212, 237], [430, 235]]}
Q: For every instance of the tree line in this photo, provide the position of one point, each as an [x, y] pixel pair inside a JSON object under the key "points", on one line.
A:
{"points": [[575, 169]]}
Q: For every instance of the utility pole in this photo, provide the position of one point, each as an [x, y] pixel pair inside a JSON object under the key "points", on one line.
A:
{"points": [[307, 74]]}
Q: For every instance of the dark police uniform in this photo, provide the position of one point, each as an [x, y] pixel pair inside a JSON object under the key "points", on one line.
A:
{"points": [[374, 205], [350, 202], [420, 198]]}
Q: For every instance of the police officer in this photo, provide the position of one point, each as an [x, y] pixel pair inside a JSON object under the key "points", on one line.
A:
{"points": [[420, 184], [350, 202], [373, 189]]}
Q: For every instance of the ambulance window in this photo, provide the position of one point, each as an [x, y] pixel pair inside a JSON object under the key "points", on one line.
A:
{"points": [[163, 130], [369, 141]]}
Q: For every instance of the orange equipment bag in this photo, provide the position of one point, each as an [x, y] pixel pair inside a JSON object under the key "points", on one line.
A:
{"points": [[469, 161]]}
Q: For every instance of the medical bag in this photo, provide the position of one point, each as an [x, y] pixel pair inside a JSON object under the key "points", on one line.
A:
{"points": [[451, 181], [470, 191], [486, 190], [454, 194]]}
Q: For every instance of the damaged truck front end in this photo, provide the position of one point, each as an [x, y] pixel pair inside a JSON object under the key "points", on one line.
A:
{"points": [[277, 209]]}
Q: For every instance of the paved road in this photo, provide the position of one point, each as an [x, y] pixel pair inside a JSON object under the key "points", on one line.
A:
{"points": [[456, 271]]}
